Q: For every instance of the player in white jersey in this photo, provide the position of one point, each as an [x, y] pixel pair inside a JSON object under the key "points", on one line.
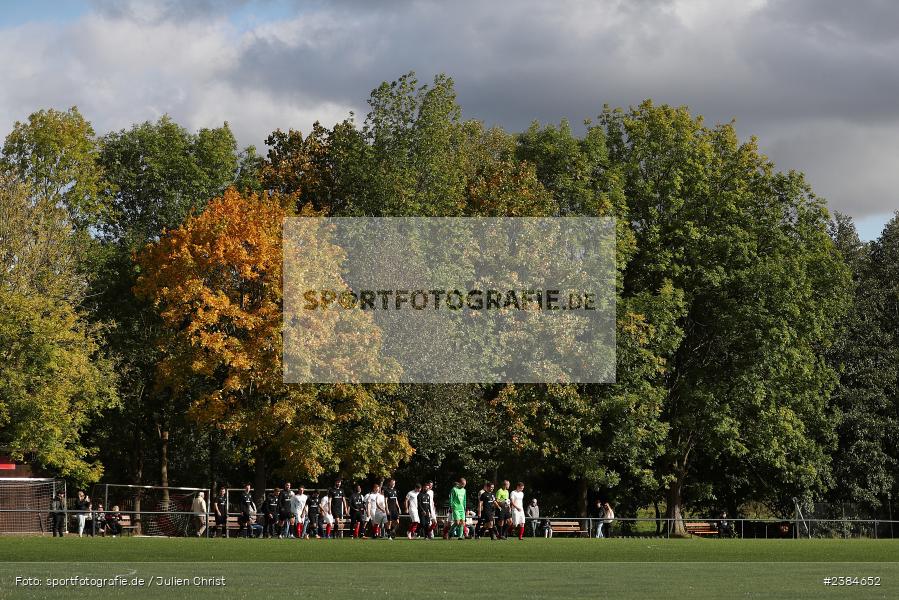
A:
{"points": [[412, 509], [516, 500], [298, 507], [327, 517], [432, 526], [377, 510]]}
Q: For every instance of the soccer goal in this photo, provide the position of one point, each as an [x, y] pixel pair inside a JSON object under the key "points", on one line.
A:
{"points": [[152, 510], [25, 503]]}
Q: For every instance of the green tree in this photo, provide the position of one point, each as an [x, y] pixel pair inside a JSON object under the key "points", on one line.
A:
{"points": [[57, 153], [159, 173], [747, 387], [54, 374], [866, 355]]}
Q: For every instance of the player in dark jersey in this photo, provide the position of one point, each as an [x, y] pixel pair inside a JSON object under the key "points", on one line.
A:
{"points": [[285, 515], [487, 506], [270, 513], [425, 513], [357, 512], [392, 496], [247, 510], [220, 509], [314, 513], [338, 505]]}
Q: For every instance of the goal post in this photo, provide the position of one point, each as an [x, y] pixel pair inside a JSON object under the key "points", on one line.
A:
{"points": [[25, 503], [154, 510]]}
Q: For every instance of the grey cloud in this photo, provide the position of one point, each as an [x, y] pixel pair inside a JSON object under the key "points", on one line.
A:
{"points": [[816, 80]]}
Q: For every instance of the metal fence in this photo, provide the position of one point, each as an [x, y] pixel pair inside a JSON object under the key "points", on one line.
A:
{"points": [[620, 527]]}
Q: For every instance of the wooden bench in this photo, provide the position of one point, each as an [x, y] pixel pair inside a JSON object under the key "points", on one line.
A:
{"points": [[573, 527], [701, 528], [231, 524]]}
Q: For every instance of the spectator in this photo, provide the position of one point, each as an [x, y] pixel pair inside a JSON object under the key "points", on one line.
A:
{"points": [[608, 517], [114, 521], [533, 514], [200, 513], [254, 528], [58, 514], [99, 520], [82, 508], [725, 529], [599, 513], [471, 518]]}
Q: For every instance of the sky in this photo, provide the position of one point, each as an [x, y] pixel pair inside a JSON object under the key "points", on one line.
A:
{"points": [[817, 81]]}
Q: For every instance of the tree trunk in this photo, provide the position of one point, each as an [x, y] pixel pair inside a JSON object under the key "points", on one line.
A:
{"points": [[582, 498], [212, 457], [675, 503], [259, 483], [655, 504]]}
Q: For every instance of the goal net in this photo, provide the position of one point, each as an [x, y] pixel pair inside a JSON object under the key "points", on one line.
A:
{"points": [[25, 503], [154, 510]]}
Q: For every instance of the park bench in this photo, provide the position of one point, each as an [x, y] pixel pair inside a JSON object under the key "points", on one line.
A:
{"points": [[573, 527], [233, 526], [701, 528]]}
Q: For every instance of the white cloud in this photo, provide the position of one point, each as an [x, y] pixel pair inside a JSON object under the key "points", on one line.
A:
{"points": [[122, 71]]}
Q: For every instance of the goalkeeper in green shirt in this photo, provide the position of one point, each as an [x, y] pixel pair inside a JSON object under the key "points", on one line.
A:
{"points": [[457, 508]]}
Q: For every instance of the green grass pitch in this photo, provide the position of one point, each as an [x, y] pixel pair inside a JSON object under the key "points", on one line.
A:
{"points": [[533, 568]]}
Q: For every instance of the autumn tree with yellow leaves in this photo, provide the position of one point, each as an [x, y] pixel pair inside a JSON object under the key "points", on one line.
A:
{"points": [[217, 283]]}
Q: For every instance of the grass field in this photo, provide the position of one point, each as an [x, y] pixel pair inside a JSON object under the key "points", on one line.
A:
{"points": [[534, 568]]}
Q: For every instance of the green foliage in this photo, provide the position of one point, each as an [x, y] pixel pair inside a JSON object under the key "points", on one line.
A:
{"points": [[57, 152], [756, 341], [54, 373], [763, 286], [866, 355], [160, 173]]}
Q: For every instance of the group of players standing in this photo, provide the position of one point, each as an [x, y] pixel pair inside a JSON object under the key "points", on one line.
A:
{"points": [[288, 513]]}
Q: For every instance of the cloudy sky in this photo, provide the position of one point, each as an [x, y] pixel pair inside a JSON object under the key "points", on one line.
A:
{"points": [[816, 80]]}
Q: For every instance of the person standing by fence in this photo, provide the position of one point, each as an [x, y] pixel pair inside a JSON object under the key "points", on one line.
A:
{"points": [[608, 517], [599, 513], [533, 514], [58, 514], [200, 514], [83, 508]]}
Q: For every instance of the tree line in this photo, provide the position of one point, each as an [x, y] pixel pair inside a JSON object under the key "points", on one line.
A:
{"points": [[757, 336]]}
